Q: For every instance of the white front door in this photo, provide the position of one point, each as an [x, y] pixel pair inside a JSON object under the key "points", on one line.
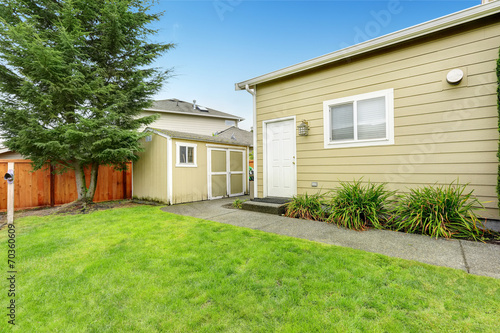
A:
{"points": [[281, 176]]}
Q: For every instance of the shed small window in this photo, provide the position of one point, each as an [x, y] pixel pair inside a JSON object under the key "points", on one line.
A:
{"points": [[186, 155], [361, 120]]}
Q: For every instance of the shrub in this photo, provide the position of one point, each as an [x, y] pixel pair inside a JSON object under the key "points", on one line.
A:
{"points": [[306, 206], [238, 203], [357, 206], [439, 211]]}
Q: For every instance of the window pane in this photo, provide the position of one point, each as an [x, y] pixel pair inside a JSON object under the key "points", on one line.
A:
{"points": [[182, 154], [190, 158], [341, 117], [371, 119]]}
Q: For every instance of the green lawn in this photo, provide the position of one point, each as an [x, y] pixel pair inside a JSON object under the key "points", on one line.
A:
{"points": [[139, 269]]}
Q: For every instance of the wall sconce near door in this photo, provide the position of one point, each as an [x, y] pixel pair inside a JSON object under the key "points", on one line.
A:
{"points": [[303, 128]]}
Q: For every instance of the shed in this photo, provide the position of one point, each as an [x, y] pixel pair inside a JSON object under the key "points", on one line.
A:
{"points": [[413, 108], [177, 167]]}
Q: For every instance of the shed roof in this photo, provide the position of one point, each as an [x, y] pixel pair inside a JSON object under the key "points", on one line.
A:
{"points": [[452, 20], [177, 106], [237, 134], [196, 137]]}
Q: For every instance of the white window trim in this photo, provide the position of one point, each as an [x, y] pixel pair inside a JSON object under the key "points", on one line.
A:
{"points": [[178, 155], [389, 102]]}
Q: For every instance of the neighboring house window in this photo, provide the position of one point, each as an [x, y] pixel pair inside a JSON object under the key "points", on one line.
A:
{"points": [[361, 120], [186, 155], [230, 123]]}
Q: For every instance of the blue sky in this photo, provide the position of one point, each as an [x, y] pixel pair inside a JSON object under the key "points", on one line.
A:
{"points": [[221, 42]]}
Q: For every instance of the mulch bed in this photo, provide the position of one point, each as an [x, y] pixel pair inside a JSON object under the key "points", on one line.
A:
{"points": [[70, 209]]}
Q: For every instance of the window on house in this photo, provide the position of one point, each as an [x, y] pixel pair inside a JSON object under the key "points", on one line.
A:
{"points": [[230, 123], [361, 120], [186, 155]]}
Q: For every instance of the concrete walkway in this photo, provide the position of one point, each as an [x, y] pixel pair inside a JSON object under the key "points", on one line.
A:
{"points": [[472, 257]]}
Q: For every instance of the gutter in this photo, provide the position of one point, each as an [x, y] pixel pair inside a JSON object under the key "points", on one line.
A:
{"points": [[253, 92], [419, 30]]}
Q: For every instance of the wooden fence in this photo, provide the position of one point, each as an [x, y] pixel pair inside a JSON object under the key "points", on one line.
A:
{"points": [[43, 188]]}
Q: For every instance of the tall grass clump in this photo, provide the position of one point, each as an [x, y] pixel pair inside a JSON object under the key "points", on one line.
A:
{"points": [[306, 206], [439, 211], [357, 206]]}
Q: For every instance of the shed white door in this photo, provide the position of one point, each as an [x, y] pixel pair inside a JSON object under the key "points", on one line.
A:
{"points": [[226, 172], [281, 173]]}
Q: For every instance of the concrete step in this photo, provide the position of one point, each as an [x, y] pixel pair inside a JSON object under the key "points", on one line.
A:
{"points": [[264, 207]]}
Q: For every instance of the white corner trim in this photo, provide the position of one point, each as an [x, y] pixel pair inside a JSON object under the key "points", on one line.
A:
{"points": [[170, 185]]}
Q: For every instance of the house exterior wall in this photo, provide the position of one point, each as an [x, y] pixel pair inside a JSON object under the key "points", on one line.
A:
{"points": [[149, 173], [11, 156], [442, 132], [188, 124]]}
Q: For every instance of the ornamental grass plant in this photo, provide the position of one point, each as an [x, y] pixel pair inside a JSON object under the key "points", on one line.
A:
{"points": [[306, 206], [357, 206], [439, 211]]}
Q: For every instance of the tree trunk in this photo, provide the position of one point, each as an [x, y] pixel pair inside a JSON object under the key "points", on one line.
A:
{"points": [[85, 194], [81, 184], [94, 171]]}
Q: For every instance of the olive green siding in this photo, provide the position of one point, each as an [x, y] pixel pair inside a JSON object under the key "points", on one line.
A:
{"points": [[442, 132], [149, 173]]}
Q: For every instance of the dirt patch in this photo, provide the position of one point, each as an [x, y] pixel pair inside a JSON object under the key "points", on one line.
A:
{"points": [[229, 206], [70, 209]]}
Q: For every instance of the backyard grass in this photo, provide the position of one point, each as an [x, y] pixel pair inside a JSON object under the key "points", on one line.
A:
{"points": [[139, 269]]}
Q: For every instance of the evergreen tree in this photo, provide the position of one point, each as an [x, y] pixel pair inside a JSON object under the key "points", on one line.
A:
{"points": [[74, 76]]}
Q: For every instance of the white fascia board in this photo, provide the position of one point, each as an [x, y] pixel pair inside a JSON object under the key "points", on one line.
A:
{"points": [[156, 132], [419, 30], [199, 115]]}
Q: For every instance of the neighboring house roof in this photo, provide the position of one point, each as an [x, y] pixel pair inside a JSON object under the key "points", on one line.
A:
{"points": [[186, 108], [237, 134], [420, 30], [194, 137], [4, 150]]}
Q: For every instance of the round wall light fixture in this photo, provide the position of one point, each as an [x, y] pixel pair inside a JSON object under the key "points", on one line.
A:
{"points": [[455, 76]]}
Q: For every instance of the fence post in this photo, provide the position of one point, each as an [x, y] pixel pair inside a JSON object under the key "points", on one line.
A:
{"points": [[124, 181], [52, 186], [10, 195]]}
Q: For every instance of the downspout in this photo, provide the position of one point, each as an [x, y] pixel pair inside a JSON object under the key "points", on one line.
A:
{"points": [[253, 92], [170, 166]]}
